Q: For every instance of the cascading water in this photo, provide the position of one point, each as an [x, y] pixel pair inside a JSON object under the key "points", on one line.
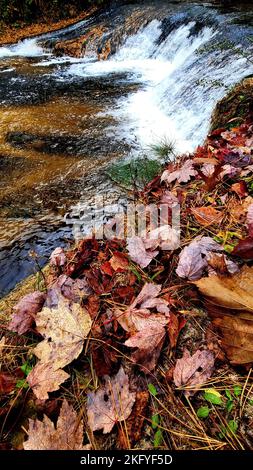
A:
{"points": [[63, 117]]}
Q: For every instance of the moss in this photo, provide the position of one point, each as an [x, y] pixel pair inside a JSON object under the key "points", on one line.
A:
{"points": [[235, 107], [135, 174]]}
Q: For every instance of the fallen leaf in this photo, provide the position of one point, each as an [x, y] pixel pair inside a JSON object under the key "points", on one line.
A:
{"points": [[138, 316], [45, 378], [138, 253], [64, 328], [229, 302], [111, 403], [192, 259], [249, 220], [182, 175], [119, 262], [7, 383], [244, 249], [148, 343], [72, 289], [240, 189], [66, 435], [2, 344], [219, 263], [192, 371], [58, 257], [131, 432], [207, 215], [25, 312]]}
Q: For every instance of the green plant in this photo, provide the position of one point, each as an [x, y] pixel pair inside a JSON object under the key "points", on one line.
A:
{"points": [[135, 174]]}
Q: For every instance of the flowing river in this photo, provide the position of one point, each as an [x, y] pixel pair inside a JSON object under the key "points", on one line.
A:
{"points": [[64, 119]]}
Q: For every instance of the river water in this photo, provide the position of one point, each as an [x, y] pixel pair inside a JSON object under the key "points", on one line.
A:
{"points": [[63, 120]]}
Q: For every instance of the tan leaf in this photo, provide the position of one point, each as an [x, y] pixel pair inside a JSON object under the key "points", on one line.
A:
{"points": [[2, 344], [45, 378], [64, 328], [25, 311], [67, 435], [193, 371], [207, 215], [148, 343], [229, 301], [111, 403]]}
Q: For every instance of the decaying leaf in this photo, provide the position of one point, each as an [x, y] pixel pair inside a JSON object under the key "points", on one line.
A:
{"points": [[111, 403], [138, 253], [58, 257], [131, 432], [192, 259], [192, 371], [64, 328], [244, 249], [207, 215], [147, 329], [66, 435], [45, 378], [229, 301], [182, 175], [25, 312], [2, 344]]}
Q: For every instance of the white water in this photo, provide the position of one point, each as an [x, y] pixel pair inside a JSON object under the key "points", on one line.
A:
{"points": [[26, 48], [178, 90]]}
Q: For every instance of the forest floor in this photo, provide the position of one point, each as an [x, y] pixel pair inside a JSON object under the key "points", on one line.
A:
{"points": [[11, 34], [146, 342]]}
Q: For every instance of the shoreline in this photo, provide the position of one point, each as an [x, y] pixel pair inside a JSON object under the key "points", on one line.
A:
{"points": [[12, 35]]}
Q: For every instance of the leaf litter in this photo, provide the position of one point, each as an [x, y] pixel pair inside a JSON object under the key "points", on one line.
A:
{"points": [[166, 312]]}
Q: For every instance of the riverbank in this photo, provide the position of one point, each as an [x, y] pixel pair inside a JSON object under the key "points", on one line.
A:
{"points": [[191, 300], [11, 34]]}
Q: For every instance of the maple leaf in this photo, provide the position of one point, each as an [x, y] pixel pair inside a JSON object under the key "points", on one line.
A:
{"points": [[207, 215], [45, 378], [111, 403], [138, 316], [182, 175], [143, 250], [25, 312], [58, 257], [64, 328], [147, 329], [229, 301], [193, 371], [138, 253], [192, 259], [66, 435], [72, 289]]}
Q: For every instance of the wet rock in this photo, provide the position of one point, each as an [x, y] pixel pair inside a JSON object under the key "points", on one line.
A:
{"points": [[235, 107]]}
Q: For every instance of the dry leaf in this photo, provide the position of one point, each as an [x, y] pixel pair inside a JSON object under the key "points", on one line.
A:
{"points": [[192, 259], [182, 175], [229, 301], [193, 371], [138, 253], [64, 328], [58, 257], [66, 435], [2, 344], [111, 403], [45, 378], [148, 343], [207, 215], [25, 312]]}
